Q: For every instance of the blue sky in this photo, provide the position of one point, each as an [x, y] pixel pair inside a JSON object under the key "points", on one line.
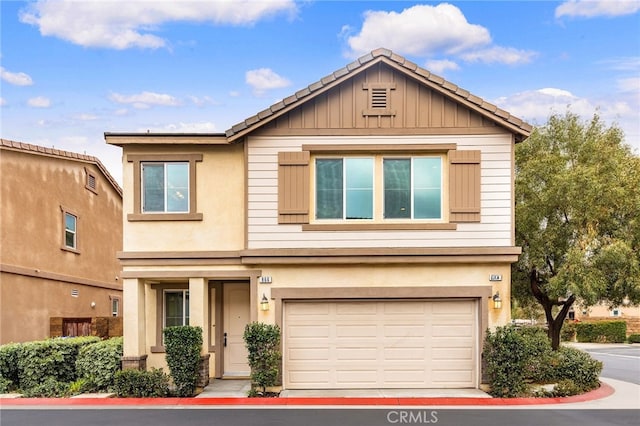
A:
{"points": [[71, 70]]}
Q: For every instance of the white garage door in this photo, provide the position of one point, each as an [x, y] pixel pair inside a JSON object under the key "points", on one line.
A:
{"points": [[382, 344]]}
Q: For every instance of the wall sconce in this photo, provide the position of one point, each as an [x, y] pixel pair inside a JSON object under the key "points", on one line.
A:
{"points": [[497, 302], [93, 305], [264, 303]]}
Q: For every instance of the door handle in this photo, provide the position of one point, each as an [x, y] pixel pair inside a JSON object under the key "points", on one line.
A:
{"points": [[224, 341]]}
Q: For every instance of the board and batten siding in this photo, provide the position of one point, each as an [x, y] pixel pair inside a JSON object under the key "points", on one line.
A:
{"points": [[493, 230]]}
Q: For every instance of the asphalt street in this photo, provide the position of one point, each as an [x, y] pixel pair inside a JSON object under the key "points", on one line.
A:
{"points": [[621, 362]]}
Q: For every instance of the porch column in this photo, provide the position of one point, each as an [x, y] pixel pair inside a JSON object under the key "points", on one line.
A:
{"points": [[199, 308], [134, 328]]}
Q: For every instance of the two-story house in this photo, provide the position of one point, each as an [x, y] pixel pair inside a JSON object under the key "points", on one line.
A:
{"points": [[370, 215], [60, 230]]}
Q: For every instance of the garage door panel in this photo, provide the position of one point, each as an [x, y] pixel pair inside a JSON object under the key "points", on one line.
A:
{"points": [[393, 344]]}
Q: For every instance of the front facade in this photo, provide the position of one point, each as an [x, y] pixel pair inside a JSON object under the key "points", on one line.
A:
{"points": [[370, 215], [61, 223]]}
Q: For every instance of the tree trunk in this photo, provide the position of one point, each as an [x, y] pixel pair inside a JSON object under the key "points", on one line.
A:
{"points": [[554, 324]]}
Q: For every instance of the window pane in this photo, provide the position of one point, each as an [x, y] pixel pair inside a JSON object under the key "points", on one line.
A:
{"points": [[359, 188], [70, 222], [329, 189], [177, 187], [153, 187], [427, 188], [397, 188], [70, 230], [173, 309]]}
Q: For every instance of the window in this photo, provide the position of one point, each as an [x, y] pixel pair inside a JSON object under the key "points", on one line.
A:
{"points": [[413, 188], [115, 306], [70, 230], [165, 187], [344, 188], [176, 308]]}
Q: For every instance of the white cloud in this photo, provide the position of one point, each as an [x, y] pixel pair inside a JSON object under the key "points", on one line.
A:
{"points": [[420, 30], [198, 127], [202, 101], [86, 117], [440, 66], [15, 78], [3, 102], [497, 54], [427, 31], [535, 106], [39, 102], [264, 79], [594, 8], [145, 100], [124, 24]]}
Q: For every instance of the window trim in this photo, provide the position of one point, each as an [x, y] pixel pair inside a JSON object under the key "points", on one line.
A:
{"points": [[75, 249], [138, 214], [117, 299]]}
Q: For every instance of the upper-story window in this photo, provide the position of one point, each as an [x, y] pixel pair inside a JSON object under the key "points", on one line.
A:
{"points": [[379, 187], [344, 188], [413, 188], [70, 235], [164, 187]]}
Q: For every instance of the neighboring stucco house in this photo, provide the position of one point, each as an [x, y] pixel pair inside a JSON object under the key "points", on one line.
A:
{"points": [[372, 212], [60, 230]]}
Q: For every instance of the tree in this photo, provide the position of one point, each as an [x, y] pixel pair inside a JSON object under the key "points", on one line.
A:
{"points": [[577, 219]]}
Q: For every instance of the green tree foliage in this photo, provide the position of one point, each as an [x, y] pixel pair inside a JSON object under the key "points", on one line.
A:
{"points": [[263, 344], [577, 218]]}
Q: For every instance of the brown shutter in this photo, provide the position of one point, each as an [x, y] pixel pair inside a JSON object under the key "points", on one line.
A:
{"points": [[293, 187], [464, 186]]}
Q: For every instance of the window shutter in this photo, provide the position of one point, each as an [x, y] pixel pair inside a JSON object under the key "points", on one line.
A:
{"points": [[464, 186], [293, 187]]}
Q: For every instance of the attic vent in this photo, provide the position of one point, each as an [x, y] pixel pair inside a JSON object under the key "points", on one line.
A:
{"points": [[379, 99], [75, 293], [90, 183]]}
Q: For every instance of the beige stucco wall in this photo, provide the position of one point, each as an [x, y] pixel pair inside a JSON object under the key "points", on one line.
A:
{"points": [[220, 198], [38, 275], [316, 276]]}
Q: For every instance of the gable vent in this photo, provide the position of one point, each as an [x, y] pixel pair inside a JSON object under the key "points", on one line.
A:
{"points": [[92, 182], [378, 98]]}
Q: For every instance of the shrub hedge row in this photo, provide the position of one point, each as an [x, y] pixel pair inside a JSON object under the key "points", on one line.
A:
{"points": [[601, 331], [517, 358], [58, 366]]}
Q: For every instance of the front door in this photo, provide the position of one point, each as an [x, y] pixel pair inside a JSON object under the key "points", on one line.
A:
{"points": [[236, 315]]}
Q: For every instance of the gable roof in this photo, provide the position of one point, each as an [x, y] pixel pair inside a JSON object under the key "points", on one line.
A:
{"points": [[521, 129], [67, 155]]}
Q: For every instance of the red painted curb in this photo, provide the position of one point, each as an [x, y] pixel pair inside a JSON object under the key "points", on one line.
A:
{"points": [[602, 392]]}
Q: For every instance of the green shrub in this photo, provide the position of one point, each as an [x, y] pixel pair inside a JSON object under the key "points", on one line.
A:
{"points": [[568, 332], [48, 388], [183, 345], [9, 355], [634, 338], [565, 387], [601, 332], [52, 358], [263, 344], [505, 356], [98, 363], [539, 355], [579, 367], [141, 384]]}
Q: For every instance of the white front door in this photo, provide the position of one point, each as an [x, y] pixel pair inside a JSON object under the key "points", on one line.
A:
{"points": [[235, 307]]}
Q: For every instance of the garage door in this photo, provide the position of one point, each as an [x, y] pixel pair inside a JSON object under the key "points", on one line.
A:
{"points": [[381, 344]]}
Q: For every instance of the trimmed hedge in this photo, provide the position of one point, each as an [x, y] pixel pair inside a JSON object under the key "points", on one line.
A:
{"points": [[263, 344], [634, 338], [98, 363], [141, 384], [9, 355], [49, 359], [517, 358], [183, 345], [601, 332]]}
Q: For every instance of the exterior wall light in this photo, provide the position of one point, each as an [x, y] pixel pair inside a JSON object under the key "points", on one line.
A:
{"points": [[497, 302], [264, 303]]}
